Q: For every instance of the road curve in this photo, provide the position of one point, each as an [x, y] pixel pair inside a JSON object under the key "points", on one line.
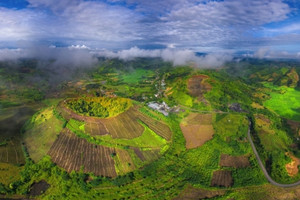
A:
{"points": [[263, 167]]}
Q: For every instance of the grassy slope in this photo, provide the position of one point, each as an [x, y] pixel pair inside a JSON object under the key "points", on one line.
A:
{"points": [[40, 138], [284, 101]]}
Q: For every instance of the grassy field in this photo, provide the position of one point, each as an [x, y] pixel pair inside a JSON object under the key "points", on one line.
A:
{"points": [[9, 173], [284, 101], [136, 76]]}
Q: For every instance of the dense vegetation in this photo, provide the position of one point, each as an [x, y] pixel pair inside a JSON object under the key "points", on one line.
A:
{"points": [[259, 88], [102, 107]]}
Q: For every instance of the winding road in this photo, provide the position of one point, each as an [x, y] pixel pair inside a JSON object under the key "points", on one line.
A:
{"points": [[263, 167]]}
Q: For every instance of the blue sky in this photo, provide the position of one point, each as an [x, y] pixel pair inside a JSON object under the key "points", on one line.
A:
{"points": [[271, 27]]}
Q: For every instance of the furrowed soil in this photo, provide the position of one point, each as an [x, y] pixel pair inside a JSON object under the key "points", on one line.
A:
{"points": [[71, 153], [222, 178], [234, 161], [126, 125]]}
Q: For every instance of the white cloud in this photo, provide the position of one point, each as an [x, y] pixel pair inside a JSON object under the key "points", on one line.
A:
{"points": [[266, 52], [176, 56]]}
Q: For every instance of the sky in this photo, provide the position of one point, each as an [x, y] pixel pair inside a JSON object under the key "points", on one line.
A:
{"points": [[261, 28]]}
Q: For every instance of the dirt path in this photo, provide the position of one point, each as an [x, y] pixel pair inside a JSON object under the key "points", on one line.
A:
{"points": [[263, 167]]}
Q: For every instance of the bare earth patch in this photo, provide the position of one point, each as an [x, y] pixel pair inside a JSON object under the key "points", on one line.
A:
{"points": [[234, 161], [191, 193], [292, 167], [197, 85], [221, 178], [197, 129]]}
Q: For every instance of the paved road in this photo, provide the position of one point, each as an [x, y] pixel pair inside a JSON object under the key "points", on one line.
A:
{"points": [[263, 167]]}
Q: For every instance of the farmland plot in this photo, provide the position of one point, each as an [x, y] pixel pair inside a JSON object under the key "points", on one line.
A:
{"points": [[71, 152], [158, 127], [234, 161], [222, 178], [198, 85], [125, 125], [197, 129], [11, 152], [124, 163]]}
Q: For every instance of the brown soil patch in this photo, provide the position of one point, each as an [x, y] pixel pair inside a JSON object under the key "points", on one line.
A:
{"points": [[197, 85], [295, 126], [292, 167], [197, 129], [38, 188], [139, 153], [71, 152], [221, 178], [234, 161], [191, 193]]}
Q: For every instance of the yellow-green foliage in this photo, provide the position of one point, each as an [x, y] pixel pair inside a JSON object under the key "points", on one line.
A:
{"points": [[230, 126], [9, 173], [99, 106]]}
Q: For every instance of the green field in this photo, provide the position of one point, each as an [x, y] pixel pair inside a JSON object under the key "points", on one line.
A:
{"points": [[136, 76], [284, 101]]}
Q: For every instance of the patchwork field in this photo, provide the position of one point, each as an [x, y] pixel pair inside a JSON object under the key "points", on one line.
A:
{"points": [[71, 152], [222, 178], [197, 129], [234, 161]]}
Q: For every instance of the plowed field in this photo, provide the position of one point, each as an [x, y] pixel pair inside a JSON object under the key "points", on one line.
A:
{"points": [[197, 129], [71, 152]]}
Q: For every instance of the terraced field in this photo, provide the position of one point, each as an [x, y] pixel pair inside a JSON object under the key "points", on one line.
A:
{"points": [[125, 125], [71, 152], [158, 127]]}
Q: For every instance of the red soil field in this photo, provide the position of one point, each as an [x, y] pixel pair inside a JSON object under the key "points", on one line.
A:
{"points": [[71, 152]]}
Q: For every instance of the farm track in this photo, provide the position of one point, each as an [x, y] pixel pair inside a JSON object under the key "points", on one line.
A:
{"points": [[71, 152]]}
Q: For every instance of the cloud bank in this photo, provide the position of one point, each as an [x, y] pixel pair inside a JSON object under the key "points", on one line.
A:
{"points": [[77, 56], [199, 25]]}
